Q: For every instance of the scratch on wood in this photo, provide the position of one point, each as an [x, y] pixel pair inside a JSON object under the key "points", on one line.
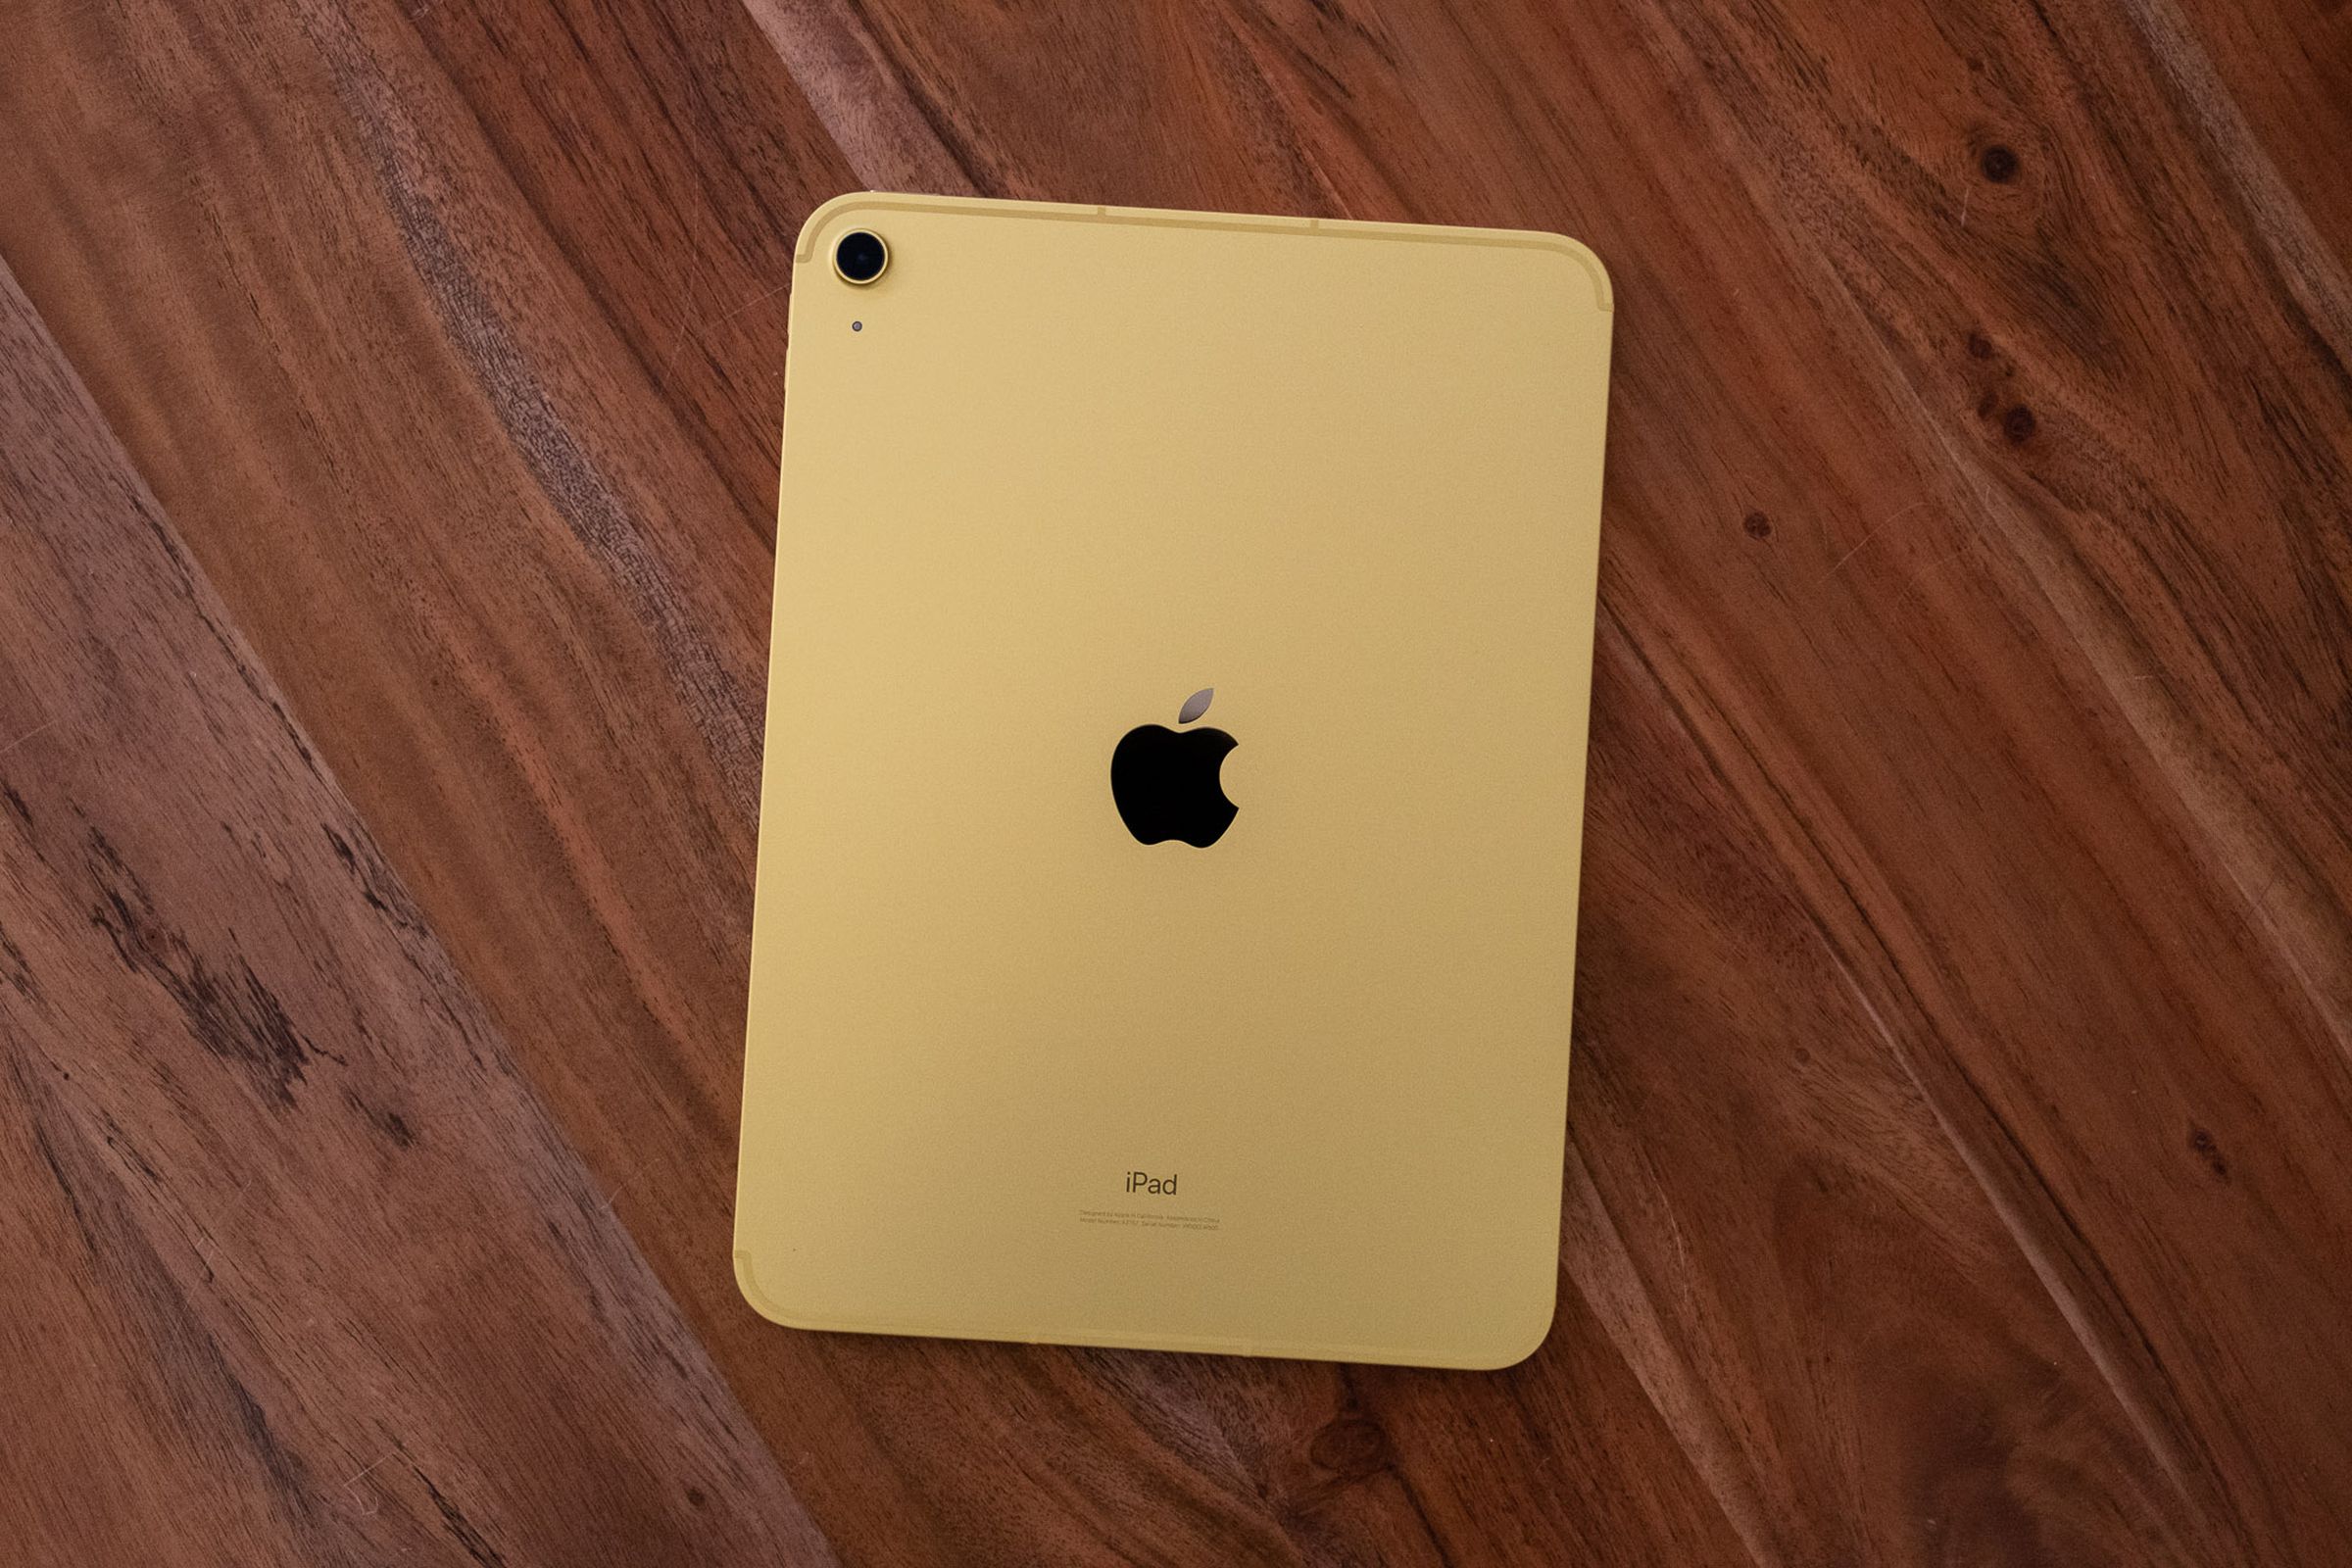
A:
{"points": [[20, 740], [1873, 534]]}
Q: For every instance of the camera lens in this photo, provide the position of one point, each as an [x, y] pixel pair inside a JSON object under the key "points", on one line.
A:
{"points": [[861, 257]]}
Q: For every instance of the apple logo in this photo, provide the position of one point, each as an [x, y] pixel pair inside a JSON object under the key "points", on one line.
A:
{"points": [[1165, 781]]}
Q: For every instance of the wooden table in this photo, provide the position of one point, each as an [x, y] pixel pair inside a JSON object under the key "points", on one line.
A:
{"points": [[1959, 1167]]}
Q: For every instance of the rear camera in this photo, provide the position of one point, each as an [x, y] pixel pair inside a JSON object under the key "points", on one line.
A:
{"points": [[861, 257]]}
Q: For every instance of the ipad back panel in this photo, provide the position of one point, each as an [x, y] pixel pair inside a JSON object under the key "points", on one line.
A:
{"points": [[1013, 1073]]}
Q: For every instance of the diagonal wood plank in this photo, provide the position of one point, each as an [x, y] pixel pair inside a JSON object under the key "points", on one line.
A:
{"points": [[861, 97], [2116, 969], [2270, 86], [297, 1269], [676, 159]]}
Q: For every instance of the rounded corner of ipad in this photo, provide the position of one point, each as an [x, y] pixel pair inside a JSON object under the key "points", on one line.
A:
{"points": [[1506, 1334], [803, 244], [1588, 266], [747, 1281], [828, 212], [1514, 1336]]}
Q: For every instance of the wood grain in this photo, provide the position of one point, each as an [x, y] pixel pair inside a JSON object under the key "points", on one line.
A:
{"points": [[1959, 1169], [298, 1271]]}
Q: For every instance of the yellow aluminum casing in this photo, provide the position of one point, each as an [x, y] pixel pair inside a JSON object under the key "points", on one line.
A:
{"points": [[1057, 470]]}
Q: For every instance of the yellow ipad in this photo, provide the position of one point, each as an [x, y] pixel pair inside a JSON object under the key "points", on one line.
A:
{"points": [[1168, 845]]}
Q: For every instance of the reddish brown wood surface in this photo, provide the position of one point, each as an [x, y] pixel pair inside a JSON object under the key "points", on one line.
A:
{"points": [[299, 1270], [1959, 1167]]}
